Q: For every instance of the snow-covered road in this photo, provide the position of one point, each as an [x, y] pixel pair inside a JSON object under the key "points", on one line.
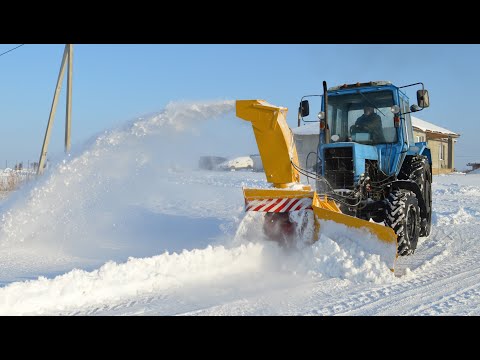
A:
{"points": [[119, 230], [441, 278]]}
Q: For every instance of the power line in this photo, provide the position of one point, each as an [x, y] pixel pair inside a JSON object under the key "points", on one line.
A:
{"points": [[11, 49]]}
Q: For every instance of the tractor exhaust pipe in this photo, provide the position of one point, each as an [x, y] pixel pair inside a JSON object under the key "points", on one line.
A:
{"points": [[325, 107]]}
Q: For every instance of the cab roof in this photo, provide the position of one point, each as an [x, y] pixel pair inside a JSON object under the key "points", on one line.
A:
{"points": [[358, 84]]}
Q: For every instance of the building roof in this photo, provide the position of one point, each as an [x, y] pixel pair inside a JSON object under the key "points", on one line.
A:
{"points": [[429, 127], [314, 128]]}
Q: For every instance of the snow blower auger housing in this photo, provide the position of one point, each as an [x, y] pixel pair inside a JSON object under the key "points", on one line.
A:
{"points": [[358, 178]]}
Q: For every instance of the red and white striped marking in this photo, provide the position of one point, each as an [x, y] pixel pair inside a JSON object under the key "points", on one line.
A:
{"points": [[278, 205]]}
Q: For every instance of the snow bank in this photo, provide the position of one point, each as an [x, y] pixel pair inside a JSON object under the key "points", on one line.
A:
{"points": [[114, 282], [451, 211], [460, 216]]}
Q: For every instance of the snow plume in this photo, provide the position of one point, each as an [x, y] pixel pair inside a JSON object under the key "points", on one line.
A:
{"points": [[181, 117], [91, 204]]}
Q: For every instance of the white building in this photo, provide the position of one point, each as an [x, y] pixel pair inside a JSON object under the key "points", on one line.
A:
{"points": [[441, 143]]}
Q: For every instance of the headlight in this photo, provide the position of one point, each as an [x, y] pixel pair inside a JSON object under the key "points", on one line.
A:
{"points": [[395, 109]]}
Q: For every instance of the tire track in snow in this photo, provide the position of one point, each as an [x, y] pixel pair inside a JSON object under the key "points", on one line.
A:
{"points": [[461, 300], [429, 291], [396, 299]]}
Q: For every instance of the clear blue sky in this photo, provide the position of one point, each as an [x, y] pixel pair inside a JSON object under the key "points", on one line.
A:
{"points": [[116, 83]]}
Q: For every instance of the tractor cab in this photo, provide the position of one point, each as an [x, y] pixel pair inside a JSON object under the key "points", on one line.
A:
{"points": [[374, 114]]}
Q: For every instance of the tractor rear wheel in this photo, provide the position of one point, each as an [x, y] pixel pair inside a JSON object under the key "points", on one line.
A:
{"points": [[426, 224], [402, 214], [418, 169]]}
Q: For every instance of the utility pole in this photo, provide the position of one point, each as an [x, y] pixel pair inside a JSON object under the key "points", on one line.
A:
{"points": [[67, 58], [68, 117]]}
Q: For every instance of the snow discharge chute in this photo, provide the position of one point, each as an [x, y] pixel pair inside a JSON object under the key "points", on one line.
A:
{"points": [[289, 203]]}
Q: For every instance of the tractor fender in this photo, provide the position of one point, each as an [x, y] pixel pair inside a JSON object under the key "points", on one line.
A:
{"points": [[427, 153]]}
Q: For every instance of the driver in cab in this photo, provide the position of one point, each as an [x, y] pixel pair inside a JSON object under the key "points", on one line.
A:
{"points": [[371, 123]]}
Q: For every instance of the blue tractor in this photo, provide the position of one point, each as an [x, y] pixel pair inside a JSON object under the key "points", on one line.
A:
{"points": [[374, 171]]}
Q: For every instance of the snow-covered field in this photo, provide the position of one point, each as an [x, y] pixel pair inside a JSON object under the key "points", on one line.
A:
{"points": [[127, 226]]}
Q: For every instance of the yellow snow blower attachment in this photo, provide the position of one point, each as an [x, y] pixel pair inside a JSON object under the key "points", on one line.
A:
{"points": [[288, 198]]}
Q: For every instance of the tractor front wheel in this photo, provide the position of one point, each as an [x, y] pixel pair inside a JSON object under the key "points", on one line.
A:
{"points": [[403, 216]]}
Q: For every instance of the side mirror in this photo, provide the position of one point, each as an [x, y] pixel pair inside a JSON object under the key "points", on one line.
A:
{"points": [[422, 98], [415, 108], [304, 108]]}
